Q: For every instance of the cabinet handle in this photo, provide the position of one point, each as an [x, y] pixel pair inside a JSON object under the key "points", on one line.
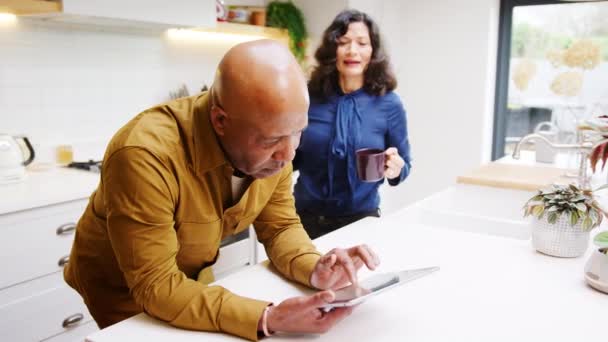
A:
{"points": [[67, 228], [72, 320], [64, 260]]}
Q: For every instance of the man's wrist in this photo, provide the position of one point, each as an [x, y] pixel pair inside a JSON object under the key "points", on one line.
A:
{"points": [[263, 323]]}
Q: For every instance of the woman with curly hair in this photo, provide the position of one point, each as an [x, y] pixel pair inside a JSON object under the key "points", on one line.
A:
{"points": [[353, 106]]}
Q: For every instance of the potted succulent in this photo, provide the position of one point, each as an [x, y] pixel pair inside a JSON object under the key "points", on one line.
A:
{"points": [[596, 269], [563, 216]]}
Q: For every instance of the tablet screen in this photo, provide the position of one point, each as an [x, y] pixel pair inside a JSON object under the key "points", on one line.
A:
{"points": [[355, 294], [366, 287]]}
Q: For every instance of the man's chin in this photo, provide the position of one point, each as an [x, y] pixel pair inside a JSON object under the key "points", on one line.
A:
{"points": [[263, 173]]}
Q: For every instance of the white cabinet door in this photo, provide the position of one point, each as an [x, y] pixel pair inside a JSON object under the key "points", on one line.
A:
{"points": [[232, 257], [31, 245], [39, 309], [185, 13], [77, 334]]}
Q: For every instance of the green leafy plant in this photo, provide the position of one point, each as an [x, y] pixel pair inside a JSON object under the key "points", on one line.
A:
{"points": [[601, 240], [577, 204], [286, 15]]}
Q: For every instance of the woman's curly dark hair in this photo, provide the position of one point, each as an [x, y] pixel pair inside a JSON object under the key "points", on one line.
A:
{"points": [[378, 78]]}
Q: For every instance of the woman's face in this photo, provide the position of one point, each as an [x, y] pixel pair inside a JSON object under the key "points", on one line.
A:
{"points": [[354, 51]]}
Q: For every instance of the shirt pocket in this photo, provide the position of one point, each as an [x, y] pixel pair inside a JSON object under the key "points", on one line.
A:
{"points": [[198, 245]]}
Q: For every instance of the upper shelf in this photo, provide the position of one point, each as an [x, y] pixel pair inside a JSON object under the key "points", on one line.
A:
{"points": [[30, 7], [148, 15], [253, 30], [153, 14]]}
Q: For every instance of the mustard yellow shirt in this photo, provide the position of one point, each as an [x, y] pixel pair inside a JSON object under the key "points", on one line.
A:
{"points": [[154, 226]]}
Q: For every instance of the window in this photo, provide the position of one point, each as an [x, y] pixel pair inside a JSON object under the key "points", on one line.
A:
{"points": [[552, 69]]}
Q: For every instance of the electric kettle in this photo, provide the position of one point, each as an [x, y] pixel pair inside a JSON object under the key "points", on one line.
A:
{"points": [[13, 158]]}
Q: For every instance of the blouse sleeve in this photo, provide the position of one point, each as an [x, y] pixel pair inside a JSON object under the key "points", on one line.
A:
{"points": [[398, 137]]}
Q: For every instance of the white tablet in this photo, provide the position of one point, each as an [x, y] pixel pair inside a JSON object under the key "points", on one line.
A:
{"points": [[355, 294]]}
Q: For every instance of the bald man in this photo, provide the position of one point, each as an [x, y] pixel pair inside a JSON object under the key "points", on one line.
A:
{"points": [[182, 176]]}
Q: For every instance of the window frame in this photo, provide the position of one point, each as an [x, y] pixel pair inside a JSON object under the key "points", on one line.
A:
{"points": [[502, 68]]}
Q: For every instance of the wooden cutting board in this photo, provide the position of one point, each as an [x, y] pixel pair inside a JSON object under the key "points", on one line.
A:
{"points": [[513, 176]]}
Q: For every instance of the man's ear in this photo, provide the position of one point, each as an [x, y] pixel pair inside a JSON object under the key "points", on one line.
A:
{"points": [[218, 120]]}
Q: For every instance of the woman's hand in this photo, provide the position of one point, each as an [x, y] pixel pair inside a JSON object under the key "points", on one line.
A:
{"points": [[393, 164]]}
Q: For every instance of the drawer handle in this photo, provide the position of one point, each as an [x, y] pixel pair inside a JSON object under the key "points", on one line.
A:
{"points": [[65, 229], [64, 260], [72, 320]]}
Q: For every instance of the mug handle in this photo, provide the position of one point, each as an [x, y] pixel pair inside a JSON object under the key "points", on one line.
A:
{"points": [[32, 154]]}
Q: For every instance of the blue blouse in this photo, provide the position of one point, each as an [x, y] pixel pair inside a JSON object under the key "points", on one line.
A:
{"points": [[328, 184]]}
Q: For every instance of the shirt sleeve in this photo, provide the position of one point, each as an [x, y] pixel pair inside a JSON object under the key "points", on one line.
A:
{"points": [[140, 196], [280, 231], [398, 137]]}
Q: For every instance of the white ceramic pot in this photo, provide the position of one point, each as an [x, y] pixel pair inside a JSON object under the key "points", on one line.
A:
{"points": [[596, 270], [559, 239]]}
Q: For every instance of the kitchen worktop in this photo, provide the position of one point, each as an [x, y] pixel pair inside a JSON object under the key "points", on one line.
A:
{"points": [[489, 288], [46, 187], [526, 173]]}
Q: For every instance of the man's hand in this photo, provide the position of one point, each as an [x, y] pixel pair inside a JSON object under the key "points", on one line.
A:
{"points": [[302, 314], [394, 163], [339, 267]]}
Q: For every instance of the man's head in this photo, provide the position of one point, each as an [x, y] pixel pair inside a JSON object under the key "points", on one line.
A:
{"points": [[259, 106]]}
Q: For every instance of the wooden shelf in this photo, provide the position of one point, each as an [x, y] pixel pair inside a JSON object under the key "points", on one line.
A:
{"points": [[27, 7], [253, 30]]}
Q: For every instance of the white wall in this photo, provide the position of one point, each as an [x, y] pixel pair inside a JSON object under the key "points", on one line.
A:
{"points": [[61, 85], [444, 54], [75, 85]]}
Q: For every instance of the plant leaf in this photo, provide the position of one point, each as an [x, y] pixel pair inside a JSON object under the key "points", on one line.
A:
{"points": [[581, 207], [573, 218], [604, 155], [594, 157], [552, 217], [538, 211], [601, 239], [587, 223]]}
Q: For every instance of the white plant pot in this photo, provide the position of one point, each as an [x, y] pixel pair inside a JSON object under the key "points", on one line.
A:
{"points": [[559, 239], [596, 270]]}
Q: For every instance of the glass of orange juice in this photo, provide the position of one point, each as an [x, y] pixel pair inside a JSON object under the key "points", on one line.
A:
{"points": [[65, 154]]}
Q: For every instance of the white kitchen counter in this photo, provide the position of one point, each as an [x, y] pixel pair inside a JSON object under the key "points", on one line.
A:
{"points": [[489, 288], [48, 187]]}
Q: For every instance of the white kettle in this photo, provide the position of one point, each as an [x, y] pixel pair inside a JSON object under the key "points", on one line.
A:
{"points": [[13, 158]]}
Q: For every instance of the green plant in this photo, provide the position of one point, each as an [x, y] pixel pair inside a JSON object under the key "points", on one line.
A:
{"points": [[286, 15], [601, 240], [577, 204]]}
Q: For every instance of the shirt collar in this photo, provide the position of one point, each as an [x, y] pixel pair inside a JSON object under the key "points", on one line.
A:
{"points": [[208, 153]]}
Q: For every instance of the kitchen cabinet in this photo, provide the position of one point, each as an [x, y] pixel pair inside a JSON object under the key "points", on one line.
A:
{"points": [[117, 13], [35, 302], [37, 221]]}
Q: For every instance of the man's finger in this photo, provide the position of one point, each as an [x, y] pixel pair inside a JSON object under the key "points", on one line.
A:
{"points": [[319, 299], [363, 252], [344, 260]]}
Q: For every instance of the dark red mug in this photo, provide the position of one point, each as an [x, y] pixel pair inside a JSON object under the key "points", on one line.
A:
{"points": [[370, 164]]}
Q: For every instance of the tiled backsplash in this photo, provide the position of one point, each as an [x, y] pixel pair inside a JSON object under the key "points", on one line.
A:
{"points": [[63, 84]]}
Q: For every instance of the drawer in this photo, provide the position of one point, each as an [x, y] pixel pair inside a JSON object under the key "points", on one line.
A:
{"points": [[37, 309], [33, 247], [232, 258], [77, 334]]}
